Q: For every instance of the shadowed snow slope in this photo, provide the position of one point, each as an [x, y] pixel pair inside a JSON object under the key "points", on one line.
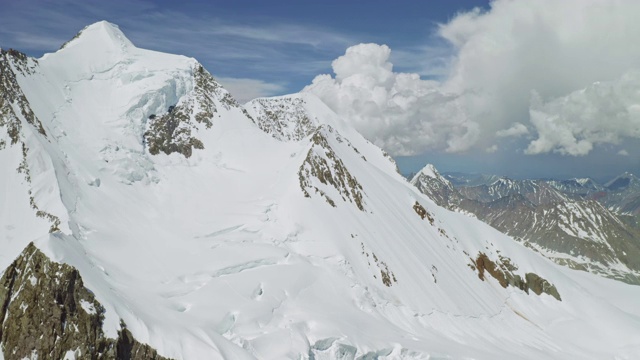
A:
{"points": [[304, 244]]}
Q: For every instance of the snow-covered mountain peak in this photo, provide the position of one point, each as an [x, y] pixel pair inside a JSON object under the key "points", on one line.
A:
{"points": [[304, 117], [429, 181], [292, 117], [241, 239], [123, 104], [503, 181], [622, 181], [95, 49], [100, 35], [583, 181], [626, 175], [576, 186], [430, 171], [102, 50]]}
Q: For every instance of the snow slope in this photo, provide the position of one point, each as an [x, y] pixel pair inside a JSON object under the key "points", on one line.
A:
{"points": [[270, 247], [575, 232]]}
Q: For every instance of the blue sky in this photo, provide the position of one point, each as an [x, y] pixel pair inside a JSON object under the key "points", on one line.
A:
{"points": [[523, 88], [282, 43]]}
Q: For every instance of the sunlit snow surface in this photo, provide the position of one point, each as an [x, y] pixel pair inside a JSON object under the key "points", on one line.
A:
{"points": [[221, 256]]}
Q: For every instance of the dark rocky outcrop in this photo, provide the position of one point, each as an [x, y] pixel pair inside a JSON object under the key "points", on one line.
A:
{"points": [[503, 270], [13, 106], [436, 187], [11, 96], [553, 217], [584, 229], [174, 131], [48, 312], [423, 213], [323, 164], [285, 119]]}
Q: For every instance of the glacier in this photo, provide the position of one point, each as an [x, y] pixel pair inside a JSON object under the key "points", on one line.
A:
{"points": [[255, 246]]}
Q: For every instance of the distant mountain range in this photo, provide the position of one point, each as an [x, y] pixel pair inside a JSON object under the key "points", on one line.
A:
{"points": [[577, 222]]}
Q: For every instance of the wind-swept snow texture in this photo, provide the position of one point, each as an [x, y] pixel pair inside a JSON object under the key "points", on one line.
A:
{"points": [[232, 250]]}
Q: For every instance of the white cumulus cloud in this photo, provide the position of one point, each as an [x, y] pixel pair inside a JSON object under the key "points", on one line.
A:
{"points": [[578, 57], [602, 113], [516, 130], [244, 90], [398, 111], [491, 149]]}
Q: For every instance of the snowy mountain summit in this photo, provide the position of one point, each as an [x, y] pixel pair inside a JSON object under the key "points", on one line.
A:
{"points": [[148, 215], [429, 181]]}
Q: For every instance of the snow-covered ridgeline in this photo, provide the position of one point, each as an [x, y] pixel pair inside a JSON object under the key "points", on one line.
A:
{"points": [[220, 254]]}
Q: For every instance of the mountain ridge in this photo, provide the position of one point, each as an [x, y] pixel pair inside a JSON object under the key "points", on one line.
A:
{"points": [[550, 216], [216, 252]]}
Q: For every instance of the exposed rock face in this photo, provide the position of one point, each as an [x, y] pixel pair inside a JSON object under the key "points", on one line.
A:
{"points": [[323, 165], [621, 194], [14, 106], [582, 187], [438, 188], [174, 131], [285, 119], [48, 312], [387, 276], [503, 270], [592, 234], [536, 191], [565, 227], [171, 133], [322, 172], [539, 285], [130, 349], [423, 213], [13, 103], [24, 170]]}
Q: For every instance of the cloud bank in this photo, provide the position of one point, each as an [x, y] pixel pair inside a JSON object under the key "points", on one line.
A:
{"points": [[602, 113], [244, 90], [555, 76], [397, 111]]}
